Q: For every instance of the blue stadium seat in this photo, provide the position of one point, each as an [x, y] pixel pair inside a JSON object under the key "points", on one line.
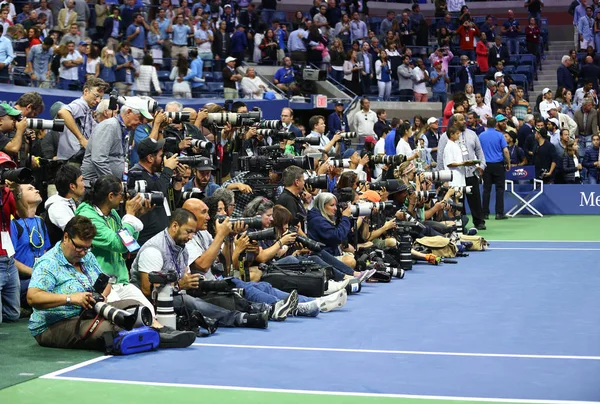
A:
{"points": [[520, 80], [526, 70], [479, 86], [280, 15], [214, 87], [163, 75], [209, 76], [218, 76], [509, 69], [455, 61]]}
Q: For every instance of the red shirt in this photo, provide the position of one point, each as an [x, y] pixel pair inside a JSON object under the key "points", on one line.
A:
{"points": [[9, 207], [34, 41], [467, 37]]}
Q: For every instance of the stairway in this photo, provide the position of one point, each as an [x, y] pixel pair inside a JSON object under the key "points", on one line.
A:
{"points": [[547, 77]]}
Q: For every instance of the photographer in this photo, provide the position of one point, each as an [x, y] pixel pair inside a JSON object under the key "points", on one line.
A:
{"points": [[11, 121], [61, 287], [115, 235], [202, 180], [107, 150], [60, 208], [167, 251], [182, 130], [293, 182], [157, 172], [79, 120], [153, 130], [316, 124], [30, 105]]}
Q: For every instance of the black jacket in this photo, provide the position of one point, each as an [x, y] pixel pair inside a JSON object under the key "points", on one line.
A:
{"points": [[217, 45], [108, 27], [495, 52]]}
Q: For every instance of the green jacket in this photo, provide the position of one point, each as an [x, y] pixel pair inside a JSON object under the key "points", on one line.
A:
{"points": [[107, 245]]}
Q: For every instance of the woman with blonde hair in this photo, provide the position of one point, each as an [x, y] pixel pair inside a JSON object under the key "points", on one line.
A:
{"points": [[470, 93], [337, 55], [155, 42], [106, 68]]}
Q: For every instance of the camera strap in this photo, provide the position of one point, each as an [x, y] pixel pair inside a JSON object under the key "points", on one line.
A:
{"points": [[87, 315]]}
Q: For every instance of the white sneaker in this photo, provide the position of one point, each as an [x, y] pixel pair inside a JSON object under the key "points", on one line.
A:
{"points": [[282, 308], [308, 309], [333, 301], [333, 286]]}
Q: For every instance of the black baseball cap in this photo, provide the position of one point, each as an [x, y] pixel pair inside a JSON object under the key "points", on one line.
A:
{"points": [[149, 146], [204, 164]]}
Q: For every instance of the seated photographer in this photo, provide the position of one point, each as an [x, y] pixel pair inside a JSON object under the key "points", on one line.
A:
{"points": [[202, 180], [167, 251], [28, 234], [114, 235], [60, 208], [61, 294], [180, 129], [251, 145], [156, 174], [323, 226], [293, 182], [366, 232]]}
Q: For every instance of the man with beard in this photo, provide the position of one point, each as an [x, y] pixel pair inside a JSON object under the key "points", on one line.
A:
{"points": [[471, 149], [203, 181], [157, 172]]}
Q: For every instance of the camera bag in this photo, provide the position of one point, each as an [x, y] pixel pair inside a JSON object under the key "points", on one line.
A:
{"points": [[124, 342], [438, 246], [478, 242], [308, 280]]}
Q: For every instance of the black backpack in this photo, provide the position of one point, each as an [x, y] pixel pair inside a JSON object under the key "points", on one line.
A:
{"points": [[55, 234]]}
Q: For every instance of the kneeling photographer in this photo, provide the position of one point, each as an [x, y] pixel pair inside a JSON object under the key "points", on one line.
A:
{"points": [[153, 177], [68, 308]]}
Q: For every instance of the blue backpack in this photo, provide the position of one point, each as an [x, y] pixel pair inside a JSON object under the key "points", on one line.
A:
{"points": [[124, 342]]}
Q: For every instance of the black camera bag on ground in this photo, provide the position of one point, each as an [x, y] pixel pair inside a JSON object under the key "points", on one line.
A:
{"points": [[308, 278]]}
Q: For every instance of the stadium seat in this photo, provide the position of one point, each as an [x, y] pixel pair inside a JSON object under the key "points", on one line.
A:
{"points": [[163, 75], [526, 70], [209, 76], [509, 69], [520, 80], [280, 15]]}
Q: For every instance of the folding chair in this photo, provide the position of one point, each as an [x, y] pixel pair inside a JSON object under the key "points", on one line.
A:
{"points": [[525, 201]]}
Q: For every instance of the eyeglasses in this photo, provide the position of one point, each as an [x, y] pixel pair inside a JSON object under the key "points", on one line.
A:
{"points": [[97, 96], [79, 248]]}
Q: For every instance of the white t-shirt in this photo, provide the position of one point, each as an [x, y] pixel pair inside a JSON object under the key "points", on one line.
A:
{"points": [[420, 88], [453, 154], [404, 148], [379, 149]]}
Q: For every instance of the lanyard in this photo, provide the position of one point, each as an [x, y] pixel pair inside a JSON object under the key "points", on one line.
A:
{"points": [[105, 218], [173, 256], [84, 272], [35, 249]]}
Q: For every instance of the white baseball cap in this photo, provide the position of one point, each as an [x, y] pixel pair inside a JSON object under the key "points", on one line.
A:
{"points": [[431, 120], [546, 90], [498, 74], [140, 104], [230, 59]]}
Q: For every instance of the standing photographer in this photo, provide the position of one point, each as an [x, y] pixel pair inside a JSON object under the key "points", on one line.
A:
{"points": [[79, 120], [11, 120], [157, 173]]}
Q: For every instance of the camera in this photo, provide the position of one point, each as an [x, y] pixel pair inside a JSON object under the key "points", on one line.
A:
{"points": [[347, 135], [252, 222], [261, 235], [543, 173], [163, 278], [188, 160], [316, 182], [389, 185], [395, 160], [18, 175], [156, 198], [178, 117], [273, 124], [339, 163], [201, 144], [425, 195], [279, 136], [195, 193], [270, 150], [312, 245], [313, 141], [456, 206], [235, 119], [57, 125], [366, 208], [115, 99], [439, 176], [465, 190]]}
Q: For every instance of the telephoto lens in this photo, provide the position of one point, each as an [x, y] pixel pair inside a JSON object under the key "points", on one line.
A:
{"points": [[395, 160], [405, 247], [191, 160], [306, 242], [465, 190], [192, 195], [439, 176], [313, 141], [18, 175], [261, 235], [201, 144], [270, 124], [389, 185], [57, 125], [284, 162], [178, 117], [266, 132], [222, 118], [252, 222], [156, 198], [140, 186], [425, 195], [347, 135], [361, 209], [339, 163], [316, 182]]}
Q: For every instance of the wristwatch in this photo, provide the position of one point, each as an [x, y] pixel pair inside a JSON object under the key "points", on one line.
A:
{"points": [[68, 300]]}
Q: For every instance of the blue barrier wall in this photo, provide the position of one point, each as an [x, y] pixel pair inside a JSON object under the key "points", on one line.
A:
{"points": [[271, 109], [556, 199]]}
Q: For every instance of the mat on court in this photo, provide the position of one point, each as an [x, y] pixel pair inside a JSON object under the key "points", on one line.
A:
{"points": [[518, 323]]}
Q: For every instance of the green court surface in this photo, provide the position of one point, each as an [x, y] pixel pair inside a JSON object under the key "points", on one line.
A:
{"points": [[22, 361]]}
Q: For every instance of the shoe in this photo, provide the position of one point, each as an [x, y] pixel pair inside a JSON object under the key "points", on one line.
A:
{"points": [[472, 231], [481, 227], [362, 276], [332, 302], [258, 320], [486, 217], [501, 217], [333, 286], [282, 308], [370, 273], [308, 309], [171, 338]]}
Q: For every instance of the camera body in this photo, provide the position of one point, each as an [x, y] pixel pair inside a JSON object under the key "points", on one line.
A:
{"points": [[163, 278]]}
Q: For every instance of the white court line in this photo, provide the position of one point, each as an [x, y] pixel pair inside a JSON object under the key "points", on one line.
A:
{"points": [[326, 393], [378, 351], [544, 248], [74, 367]]}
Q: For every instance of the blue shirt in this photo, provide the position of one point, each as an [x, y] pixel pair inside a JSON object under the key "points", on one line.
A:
{"points": [[32, 228], [440, 85], [141, 133], [40, 60], [53, 273], [280, 35], [239, 42], [162, 28], [390, 143], [285, 75], [195, 71], [139, 40], [6, 51], [492, 143], [295, 43], [180, 33], [115, 28], [514, 23]]}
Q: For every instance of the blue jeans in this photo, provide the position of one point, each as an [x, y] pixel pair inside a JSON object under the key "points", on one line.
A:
{"points": [[440, 97], [267, 16], [64, 84], [10, 296], [324, 259], [337, 75], [264, 292], [513, 45]]}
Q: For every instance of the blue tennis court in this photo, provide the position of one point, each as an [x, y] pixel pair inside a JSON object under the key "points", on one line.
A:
{"points": [[518, 322]]}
